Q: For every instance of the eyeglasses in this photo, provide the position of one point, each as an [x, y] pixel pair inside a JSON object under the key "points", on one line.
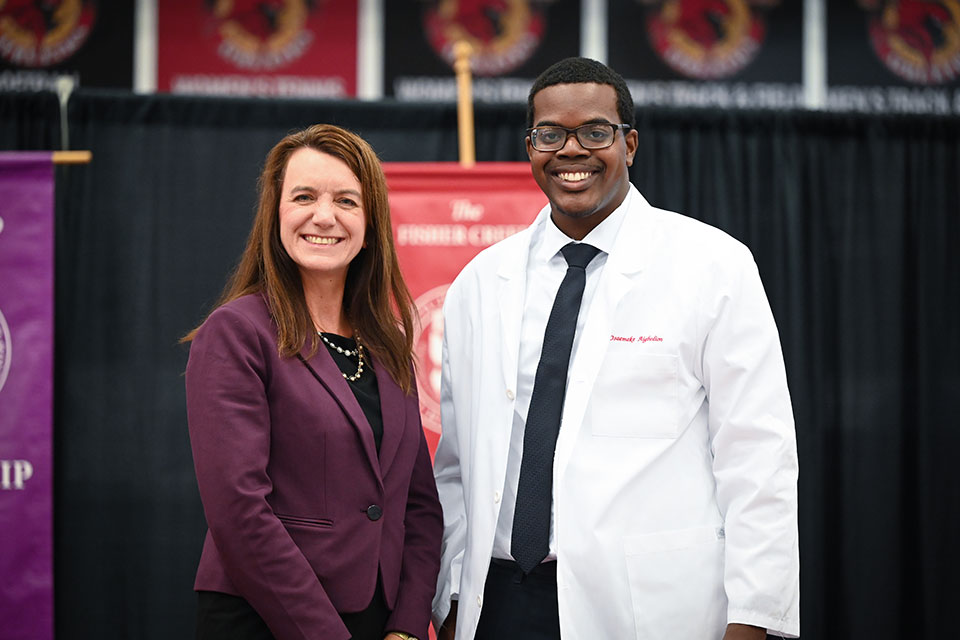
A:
{"points": [[597, 135]]}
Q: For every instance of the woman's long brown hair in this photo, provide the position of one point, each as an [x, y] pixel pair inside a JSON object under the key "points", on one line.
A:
{"points": [[376, 299]]}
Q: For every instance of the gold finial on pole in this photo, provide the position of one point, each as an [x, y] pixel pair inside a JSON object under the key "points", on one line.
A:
{"points": [[461, 65], [72, 157]]}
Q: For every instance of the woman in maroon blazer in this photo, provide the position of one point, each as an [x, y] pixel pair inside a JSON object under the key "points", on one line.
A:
{"points": [[313, 470]]}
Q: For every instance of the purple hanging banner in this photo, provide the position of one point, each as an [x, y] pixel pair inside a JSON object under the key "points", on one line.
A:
{"points": [[26, 396]]}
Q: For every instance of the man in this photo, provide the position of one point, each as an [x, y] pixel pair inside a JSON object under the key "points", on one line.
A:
{"points": [[641, 481]]}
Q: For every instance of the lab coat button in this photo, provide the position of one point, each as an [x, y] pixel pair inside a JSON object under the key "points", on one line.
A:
{"points": [[479, 601], [510, 394], [374, 512], [496, 497]]}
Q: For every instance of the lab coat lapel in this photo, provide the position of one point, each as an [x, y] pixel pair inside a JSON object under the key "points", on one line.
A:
{"points": [[326, 372], [510, 293], [619, 275]]}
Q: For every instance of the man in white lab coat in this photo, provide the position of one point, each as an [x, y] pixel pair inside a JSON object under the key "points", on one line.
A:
{"points": [[674, 470]]}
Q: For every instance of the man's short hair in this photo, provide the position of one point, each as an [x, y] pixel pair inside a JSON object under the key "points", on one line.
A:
{"points": [[584, 70]]}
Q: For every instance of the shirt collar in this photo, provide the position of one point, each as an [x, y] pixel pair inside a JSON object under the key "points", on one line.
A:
{"points": [[603, 236]]}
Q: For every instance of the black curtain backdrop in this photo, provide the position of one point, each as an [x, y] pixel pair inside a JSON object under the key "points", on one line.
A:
{"points": [[29, 121], [854, 222]]}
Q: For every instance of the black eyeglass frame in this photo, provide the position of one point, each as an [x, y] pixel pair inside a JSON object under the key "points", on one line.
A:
{"points": [[576, 133]]}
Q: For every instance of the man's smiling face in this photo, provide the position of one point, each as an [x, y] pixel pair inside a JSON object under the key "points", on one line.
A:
{"points": [[584, 186]]}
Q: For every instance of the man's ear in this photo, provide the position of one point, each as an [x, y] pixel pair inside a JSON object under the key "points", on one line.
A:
{"points": [[632, 139], [529, 148]]}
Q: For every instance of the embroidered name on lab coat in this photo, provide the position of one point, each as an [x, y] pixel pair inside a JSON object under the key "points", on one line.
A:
{"points": [[616, 338]]}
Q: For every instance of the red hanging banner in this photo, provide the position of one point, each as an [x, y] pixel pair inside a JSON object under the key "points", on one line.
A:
{"points": [[292, 48], [444, 215]]}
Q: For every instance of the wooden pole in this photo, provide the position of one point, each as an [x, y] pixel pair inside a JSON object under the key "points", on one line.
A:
{"points": [[461, 66], [72, 157]]}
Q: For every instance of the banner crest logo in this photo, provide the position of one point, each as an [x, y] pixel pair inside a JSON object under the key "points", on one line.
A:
{"points": [[917, 40], [262, 34], [706, 39], [503, 34], [34, 33], [428, 346], [6, 350]]}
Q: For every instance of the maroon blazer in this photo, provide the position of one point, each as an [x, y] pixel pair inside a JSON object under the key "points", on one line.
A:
{"points": [[301, 511]]}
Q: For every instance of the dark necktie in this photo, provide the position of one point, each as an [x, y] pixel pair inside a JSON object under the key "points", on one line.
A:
{"points": [[530, 542]]}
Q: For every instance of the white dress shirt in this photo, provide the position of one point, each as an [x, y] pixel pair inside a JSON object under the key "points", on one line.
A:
{"points": [[545, 271]]}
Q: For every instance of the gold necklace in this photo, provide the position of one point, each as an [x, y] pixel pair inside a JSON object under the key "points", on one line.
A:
{"points": [[349, 353]]}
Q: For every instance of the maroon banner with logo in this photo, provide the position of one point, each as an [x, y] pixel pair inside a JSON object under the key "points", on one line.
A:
{"points": [[717, 53], [26, 396], [89, 41], [894, 56], [512, 40], [294, 48], [444, 215]]}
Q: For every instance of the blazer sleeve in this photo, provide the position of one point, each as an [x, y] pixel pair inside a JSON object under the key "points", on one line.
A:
{"points": [[229, 423], [423, 525], [754, 445], [448, 475]]}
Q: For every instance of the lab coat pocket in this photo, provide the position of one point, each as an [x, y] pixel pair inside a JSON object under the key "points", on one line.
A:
{"points": [[676, 583], [636, 396]]}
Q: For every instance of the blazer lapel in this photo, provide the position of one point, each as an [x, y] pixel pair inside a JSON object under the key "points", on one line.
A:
{"points": [[326, 372], [394, 416]]}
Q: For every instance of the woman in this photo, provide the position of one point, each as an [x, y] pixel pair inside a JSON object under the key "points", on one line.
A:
{"points": [[315, 477]]}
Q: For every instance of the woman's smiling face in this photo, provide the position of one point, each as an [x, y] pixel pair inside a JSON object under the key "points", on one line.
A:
{"points": [[322, 221]]}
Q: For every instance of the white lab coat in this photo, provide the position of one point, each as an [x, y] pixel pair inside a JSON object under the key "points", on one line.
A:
{"points": [[675, 474]]}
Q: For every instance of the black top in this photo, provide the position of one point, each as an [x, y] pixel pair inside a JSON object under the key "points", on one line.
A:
{"points": [[365, 387]]}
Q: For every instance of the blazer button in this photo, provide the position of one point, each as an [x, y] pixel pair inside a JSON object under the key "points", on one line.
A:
{"points": [[374, 512]]}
